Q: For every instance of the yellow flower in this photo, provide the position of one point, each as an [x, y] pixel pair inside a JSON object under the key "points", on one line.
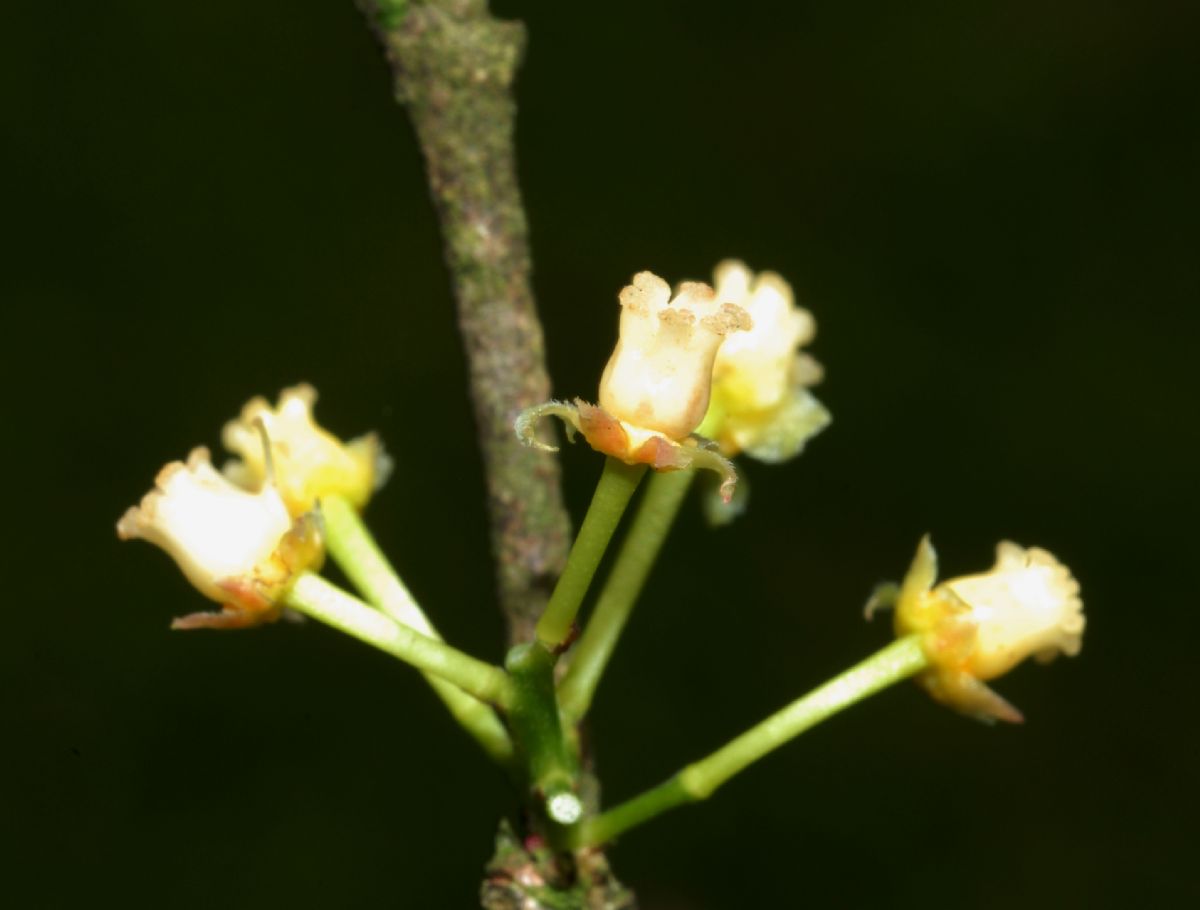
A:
{"points": [[309, 462], [655, 389], [660, 374], [238, 548], [760, 399], [978, 627]]}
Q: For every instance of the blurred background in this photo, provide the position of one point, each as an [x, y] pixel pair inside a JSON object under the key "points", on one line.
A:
{"points": [[992, 211]]}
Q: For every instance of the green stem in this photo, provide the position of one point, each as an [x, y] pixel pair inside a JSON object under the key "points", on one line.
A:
{"points": [[353, 548], [899, 660], [537, 729], [616, 485], [656, 513], [315, 597]]}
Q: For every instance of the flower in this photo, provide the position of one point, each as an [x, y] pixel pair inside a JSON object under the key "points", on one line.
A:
{"points": [[238, 548], [760, 399], [309, 462], [660, 374], [655, 388], [978, 627]]}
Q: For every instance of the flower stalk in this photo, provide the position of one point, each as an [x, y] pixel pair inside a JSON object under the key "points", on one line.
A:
{"points": [[655, 515], [616, 486], [354, 549], [899, 660], [534, 716], [315, 597]]}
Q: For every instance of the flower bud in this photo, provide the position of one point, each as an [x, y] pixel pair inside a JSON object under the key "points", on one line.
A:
{"points": [[660, 374], [978, 627], [760, 399], [237, 548], [309, 462]]}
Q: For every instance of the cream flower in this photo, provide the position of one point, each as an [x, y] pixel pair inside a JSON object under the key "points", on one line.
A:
{"points": [[660, 374], [760, 399], [309, 462], [1028, 604], [655, 388], [236, 547], [978, 627]]}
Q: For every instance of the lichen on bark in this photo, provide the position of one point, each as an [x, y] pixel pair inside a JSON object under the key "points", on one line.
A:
{"points": [[453, 67]]}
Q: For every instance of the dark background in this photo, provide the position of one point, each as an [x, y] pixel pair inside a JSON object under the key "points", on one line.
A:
{"points": [[992, 210]]}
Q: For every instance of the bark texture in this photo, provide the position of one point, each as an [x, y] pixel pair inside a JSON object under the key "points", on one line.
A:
{"points": [[454, 66]]}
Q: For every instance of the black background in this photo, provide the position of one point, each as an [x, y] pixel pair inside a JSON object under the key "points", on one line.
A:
{"points": [[991, 208]]}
